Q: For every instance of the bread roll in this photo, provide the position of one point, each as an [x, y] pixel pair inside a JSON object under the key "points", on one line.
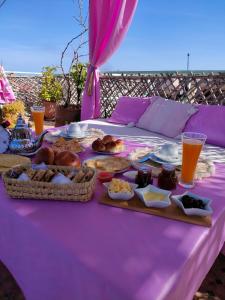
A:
{"points": [[67, 158], [44, 155], [110, 147], [97, 145], [119, 142], [108, 138]]}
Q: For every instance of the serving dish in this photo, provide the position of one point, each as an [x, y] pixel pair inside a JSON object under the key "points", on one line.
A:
{"points": [[162, 197], [121, 196], [155, 158], [193, 211], [108, 163], [107, 153], [66, 135]]}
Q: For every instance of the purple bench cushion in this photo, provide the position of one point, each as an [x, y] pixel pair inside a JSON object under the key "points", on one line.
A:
{"points": [[210, 120], [129, 109]]}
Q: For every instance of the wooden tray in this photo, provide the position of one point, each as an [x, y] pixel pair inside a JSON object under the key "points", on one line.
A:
{"points": [[170, 212]]}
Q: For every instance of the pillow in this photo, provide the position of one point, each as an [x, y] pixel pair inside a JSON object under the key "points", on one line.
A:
{"points": [[129, 109], [167, 117], [209, 120]]}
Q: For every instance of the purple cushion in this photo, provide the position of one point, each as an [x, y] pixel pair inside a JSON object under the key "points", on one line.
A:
{"points": [[210, 120], [129, 109]]}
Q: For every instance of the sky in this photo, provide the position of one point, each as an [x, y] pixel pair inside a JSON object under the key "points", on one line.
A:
{"points": [[34, 33]]}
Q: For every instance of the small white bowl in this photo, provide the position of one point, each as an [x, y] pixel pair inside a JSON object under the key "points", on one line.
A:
{"points": [[121, 196], [151, 188], [193, 211]]}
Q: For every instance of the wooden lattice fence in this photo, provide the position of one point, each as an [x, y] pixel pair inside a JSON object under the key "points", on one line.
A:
{"points": [[197, 87], [185, 87]]}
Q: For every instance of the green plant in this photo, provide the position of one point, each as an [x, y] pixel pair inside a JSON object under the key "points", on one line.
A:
{"points": [[10, 111], [51, 89], [78, 73]]}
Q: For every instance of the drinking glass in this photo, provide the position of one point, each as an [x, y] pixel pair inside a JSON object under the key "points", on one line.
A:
{"points": [[38, 118], [192, 143]]}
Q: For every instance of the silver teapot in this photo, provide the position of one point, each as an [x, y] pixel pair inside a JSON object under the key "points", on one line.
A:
{"points": [[21, 140]]}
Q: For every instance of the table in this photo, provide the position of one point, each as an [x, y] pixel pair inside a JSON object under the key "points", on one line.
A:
{"points": [[90, 251]]}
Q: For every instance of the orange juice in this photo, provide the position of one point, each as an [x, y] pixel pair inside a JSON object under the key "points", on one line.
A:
{"points": [[191, 151], [38, 118]]}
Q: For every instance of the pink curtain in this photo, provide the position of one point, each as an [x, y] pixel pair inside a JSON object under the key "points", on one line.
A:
{"points": [[109, 21], [6, 92]]}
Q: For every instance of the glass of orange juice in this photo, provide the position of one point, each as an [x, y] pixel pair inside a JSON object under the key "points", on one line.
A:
{"points": [[38, 118], [192, 143]]}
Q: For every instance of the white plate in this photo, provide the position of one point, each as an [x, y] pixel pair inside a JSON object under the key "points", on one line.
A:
{"points": [[121, 196], [151, 188], [103, 157], [167, 158], [154, 158], [130, 175], [78, 136], [193, 211], [107, 153]]}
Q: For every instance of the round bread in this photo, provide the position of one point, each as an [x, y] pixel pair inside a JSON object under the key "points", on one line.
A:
{"points": [[44, 155], [119, 142], [97, 145], [67, 158], [110, 147], [108, 138]]}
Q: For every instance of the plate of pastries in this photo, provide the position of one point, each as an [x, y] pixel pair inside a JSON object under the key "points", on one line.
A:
{"points": [[67, 145], [108, 163], [108, 145]]}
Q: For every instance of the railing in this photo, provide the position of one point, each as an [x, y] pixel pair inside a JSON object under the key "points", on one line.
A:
{"points": [[206, 87]]}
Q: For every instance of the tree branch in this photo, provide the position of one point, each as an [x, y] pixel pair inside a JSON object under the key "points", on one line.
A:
{"points": [[82, 23]]}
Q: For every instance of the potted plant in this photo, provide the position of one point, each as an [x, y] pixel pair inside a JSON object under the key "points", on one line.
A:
{"points": [[51, 91], [71, 112]]}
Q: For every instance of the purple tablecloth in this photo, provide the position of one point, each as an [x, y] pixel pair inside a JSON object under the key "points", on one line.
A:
{"points": [[76, 251]]}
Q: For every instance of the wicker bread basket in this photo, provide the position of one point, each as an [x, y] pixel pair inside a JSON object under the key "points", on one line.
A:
{"points": [[50, 191]]}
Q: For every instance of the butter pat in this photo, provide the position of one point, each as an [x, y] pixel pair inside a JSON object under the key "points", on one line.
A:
{"points": [[152, 196]]}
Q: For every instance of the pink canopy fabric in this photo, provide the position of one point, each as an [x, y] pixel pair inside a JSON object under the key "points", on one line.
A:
{"points": [[109, 21], [6, 92]]}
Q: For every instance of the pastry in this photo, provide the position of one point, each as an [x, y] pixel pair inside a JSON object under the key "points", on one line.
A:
{"points": [[39, 175], [46, 155], [109, 164], [31, 173], [48, 175], [67, 158], [98, 145], [110, 146], [71, 145], [108, 138], [79, 176], [89, 174]]}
